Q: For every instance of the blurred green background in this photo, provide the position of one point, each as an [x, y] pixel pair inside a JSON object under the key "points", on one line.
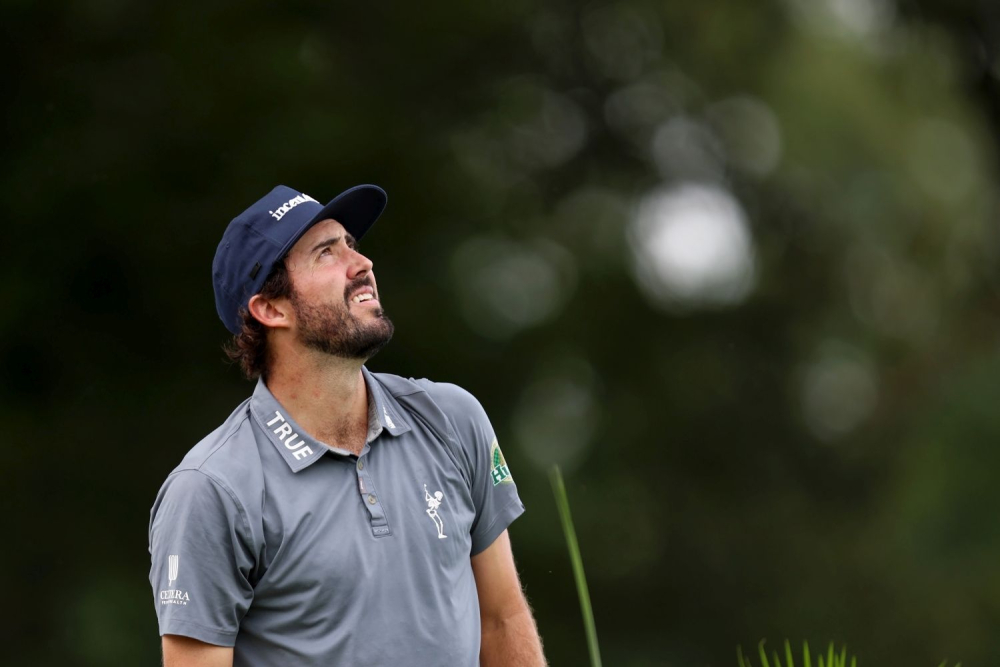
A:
{"points": [[735, 266]]}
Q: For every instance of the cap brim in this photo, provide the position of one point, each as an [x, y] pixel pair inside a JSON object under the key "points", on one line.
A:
{"points": [[356, 209]]}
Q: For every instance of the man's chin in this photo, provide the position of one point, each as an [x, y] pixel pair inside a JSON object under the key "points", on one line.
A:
{"points": [[372, 338], [374, 345], [347, 334]]}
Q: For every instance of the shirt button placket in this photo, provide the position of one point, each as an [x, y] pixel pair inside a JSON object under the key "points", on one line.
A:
{"points": [[376, 514]]}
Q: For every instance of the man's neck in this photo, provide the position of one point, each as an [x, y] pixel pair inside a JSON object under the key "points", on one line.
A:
{"points": [[325, 395]]}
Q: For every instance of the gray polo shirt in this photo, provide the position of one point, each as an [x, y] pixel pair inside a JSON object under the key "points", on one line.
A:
{"points": [[296, 553]]}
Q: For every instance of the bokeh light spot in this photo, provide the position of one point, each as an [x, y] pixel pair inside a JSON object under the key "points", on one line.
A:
{"points": [[750, 132], [839, 390], [505, 287], [690, 244], [942, 159], [685, 149], [621, 40], [557, 414]]}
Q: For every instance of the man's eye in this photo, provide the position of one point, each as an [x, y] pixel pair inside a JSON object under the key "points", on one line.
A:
{"points": [[324, 251]]}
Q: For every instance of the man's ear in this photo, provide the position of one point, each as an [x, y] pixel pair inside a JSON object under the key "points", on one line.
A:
{"points": [[274, 313]]}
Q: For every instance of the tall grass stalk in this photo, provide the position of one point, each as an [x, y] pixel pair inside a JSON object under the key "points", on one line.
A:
{"points": [[562, 502]]}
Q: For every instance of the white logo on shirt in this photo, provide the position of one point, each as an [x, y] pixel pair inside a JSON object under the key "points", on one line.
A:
{"points": [[433, 503], [288, 436], [171, 595]]}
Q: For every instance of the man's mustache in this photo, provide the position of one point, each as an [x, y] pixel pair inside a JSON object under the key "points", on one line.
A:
{"points": [[356, 284]]}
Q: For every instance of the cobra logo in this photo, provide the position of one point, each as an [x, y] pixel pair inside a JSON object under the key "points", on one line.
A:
{"points": [[172, 595]]}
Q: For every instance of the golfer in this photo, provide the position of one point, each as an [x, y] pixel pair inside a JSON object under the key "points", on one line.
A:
{"points": [[337, 517]]}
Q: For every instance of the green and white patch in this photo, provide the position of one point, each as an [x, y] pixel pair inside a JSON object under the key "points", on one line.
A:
{"points": [[500, 472]]}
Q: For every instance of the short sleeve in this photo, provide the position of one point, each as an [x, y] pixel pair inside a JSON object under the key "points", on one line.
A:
{"points": [[201, 558], [494, 492]]}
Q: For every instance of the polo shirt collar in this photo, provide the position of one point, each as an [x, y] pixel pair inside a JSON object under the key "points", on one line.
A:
{"points": [[298, 448], [387, 410]]}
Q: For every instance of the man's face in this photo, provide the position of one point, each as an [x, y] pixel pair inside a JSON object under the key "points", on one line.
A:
{"points": [[334, 295]]}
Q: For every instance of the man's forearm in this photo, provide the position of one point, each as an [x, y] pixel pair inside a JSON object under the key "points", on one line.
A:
{"points": [[511, 642]]}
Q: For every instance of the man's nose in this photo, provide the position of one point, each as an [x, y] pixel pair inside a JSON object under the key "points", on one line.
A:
{"points": [[359, 265]]}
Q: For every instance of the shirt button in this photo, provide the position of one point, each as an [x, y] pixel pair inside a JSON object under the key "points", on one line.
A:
{"points": [[371, 498], [361, 465]]}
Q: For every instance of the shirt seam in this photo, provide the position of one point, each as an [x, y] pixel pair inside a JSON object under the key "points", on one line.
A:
{"points": [[452, 445], [236, 501], [224, 441], [416, 390]]}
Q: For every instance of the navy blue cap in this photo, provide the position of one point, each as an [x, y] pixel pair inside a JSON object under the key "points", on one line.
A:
{"points": [[261, 235]]}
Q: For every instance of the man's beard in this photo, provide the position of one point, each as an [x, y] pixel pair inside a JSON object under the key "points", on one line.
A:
{"points": [[337, 332]]}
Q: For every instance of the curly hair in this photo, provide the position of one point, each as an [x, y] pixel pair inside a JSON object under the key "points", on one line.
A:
{"points": [[248, 348]]}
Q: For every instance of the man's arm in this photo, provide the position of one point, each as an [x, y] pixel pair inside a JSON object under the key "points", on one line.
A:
{"points": [[510, 637], [201, 553], [181, 651]]}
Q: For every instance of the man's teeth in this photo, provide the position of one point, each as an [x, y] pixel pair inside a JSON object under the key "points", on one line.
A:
{"points": [[361, 297]]}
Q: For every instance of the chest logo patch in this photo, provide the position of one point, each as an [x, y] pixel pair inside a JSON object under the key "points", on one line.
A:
{"points": [[499, 472], [433, 503]]}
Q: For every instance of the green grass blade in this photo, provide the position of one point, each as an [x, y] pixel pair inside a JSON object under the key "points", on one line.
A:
{"points": [[843, 656], [788, 654], [829, 655], [739, 655], [763, 654], [562, 502], [806, 659], [854, 661]]}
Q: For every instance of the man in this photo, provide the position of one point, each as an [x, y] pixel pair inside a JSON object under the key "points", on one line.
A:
{"points": [[338, 516]]}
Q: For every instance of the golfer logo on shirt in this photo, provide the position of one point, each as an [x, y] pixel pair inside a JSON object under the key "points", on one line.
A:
{"points": [[433, 503]]}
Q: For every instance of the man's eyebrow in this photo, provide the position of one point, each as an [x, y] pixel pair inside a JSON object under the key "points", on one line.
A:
{"points": [[333, 240]]}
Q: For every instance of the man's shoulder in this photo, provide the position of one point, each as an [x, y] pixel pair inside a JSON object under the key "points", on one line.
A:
{"points": [[223, 454], [449, 398]]}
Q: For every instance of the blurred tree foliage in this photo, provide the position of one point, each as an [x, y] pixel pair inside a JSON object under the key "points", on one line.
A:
{"points": [[733, 265]]}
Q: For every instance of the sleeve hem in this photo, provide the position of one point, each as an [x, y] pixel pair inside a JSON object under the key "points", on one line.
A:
{"points": [[499, 524], [199, 632]]}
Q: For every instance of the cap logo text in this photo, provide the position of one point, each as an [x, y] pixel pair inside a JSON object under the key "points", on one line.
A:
{"points": [[289, 205]]}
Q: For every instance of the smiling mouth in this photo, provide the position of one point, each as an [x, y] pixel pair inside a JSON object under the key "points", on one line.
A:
{"points": [[360, 298]]}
